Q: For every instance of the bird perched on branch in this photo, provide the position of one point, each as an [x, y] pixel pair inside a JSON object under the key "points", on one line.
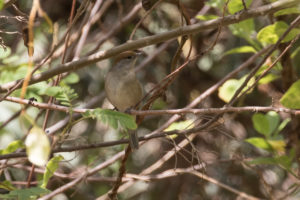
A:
{"points": [[122, 88]]}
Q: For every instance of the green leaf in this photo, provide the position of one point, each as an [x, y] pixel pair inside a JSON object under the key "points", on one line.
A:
{"points": [[277, 145], [287, 11], [261, 124], [51, 167], [25, 194], [67, 96], [12, 147], [245, 29], [273, 119], [180, 125], [235, 6], [64, 94], [159, 104], [262, 161], [295, 52], [266, 124], [283, 124], [227, 90], [243, 49], [53, 91], [37, 146], [71, 78], [291, 98], [270, 34], [112, 118], [6, 185], [1, 4], [268, 78], [284, 161], [183, 125], [206, 17], [259, 143]]}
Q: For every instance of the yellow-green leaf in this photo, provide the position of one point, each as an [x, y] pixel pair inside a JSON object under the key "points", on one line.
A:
{"points": [[183, 125], [277, 145], [206, 17], [51, 167], [37, 146], [13, 146], [242, 49], [291, 98], [259, 143], [237, 5], [287, 11], [270, 34], [227, 90]]}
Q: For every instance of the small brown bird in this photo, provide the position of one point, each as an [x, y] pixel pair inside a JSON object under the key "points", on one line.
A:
{"points": [[122, 87]]}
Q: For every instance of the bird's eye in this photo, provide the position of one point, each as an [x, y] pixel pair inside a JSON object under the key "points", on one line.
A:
{"points": [[129, 57]]}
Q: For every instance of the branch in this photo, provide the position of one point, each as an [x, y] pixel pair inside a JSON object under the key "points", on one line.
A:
{"points": [[161, 112], [162, 37], [83, 176]]}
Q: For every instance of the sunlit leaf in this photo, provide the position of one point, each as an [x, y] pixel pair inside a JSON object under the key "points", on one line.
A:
{"points": [[259, 143], [270, 34], [51, 167], [287, 11], [1, 4], [268, 78], [291, 98], [183, 125], [277, 145], [237, 5], [295, 52], [243, 49], [228, 89], [206, 17], [37, 146], [283, 124], [12, 147]]}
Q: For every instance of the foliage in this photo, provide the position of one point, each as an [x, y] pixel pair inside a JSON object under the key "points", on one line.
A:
{"points": [[51, 167], [270, 34], [291, 99], [12, 147], [236, 147], [268, 125], [37, 146], [25, 194], [112, 118]]}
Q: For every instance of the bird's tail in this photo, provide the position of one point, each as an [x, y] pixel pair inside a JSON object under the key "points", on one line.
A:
{"points": [[133, 140]]}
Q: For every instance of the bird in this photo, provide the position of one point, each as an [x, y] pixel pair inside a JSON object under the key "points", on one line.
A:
{"points": [[123, 89]]}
